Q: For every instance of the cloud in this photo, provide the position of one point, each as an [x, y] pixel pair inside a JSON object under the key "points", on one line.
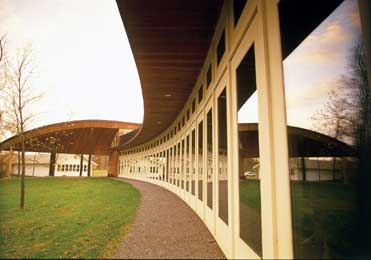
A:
{"points": [[311, 95], [331, 39]]}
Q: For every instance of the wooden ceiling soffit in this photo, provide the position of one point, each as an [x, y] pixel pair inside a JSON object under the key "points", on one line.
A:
{"points": [[170, 40], [75, 137]]}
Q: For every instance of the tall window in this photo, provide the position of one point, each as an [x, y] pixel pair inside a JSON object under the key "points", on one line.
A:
{"points": [[220, 49], [193, 160], [182, 167], [327, 133], [209, 76], [200, 93], [200, 161], [238, 6], [178, 166], [222, 157], [209, 138], [249, 163], [188, 164]]}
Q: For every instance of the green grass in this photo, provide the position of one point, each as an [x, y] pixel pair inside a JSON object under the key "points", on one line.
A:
{"points": [[65, 217], [99, 173], [324, 215], [250, 193]]}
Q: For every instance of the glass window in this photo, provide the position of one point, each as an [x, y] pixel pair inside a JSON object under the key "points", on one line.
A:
{"points": [[208, 76], [222, 156], [220, 49], [238, 6], [174, 165], [171, 164], [187, 114], [193, 106], [193, 158], [200, 161], [328, 130], [249, 163], [200, 93], [167, 166], [178, 159], [188, 163], [182, 159], [209, 138]]}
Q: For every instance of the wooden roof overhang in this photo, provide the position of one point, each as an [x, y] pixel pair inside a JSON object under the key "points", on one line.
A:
{"points": [[302, 143], [169, 40], [73, 137]]}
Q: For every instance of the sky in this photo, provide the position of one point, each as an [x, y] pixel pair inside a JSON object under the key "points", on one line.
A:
{"points": [[86, 70], [84, 65], [315, 67]]}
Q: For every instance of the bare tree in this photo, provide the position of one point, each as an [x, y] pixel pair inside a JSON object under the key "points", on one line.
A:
{"points": [[20, 96], [3, 80]]}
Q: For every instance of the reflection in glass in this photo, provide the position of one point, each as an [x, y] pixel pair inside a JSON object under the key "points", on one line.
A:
{"points": [[200, 93], [171, 166], [222, 157], [238, 6], [175, 164], [188, 163], [327, 140], [209, 138], [249, 179], [182, 166], [200, 161], [209, 76], [193, 161], [178, 160], [220, 49]]}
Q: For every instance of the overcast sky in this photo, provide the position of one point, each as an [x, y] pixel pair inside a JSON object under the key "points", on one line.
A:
{"points": [[85, 66], [87, 71]]}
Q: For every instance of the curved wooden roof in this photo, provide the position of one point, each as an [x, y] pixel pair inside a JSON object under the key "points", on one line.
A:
{"points": [[169, 40], [302, 142], [75, 137]]}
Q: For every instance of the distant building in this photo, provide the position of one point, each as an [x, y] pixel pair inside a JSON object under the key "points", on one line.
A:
{"points": [[37, 164]]}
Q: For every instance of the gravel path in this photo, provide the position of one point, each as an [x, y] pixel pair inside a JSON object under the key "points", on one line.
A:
{"points": [[166, 227]]}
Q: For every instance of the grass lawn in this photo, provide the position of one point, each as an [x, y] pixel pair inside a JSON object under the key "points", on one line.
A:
{"points": [[65, 217], [250, 193]]}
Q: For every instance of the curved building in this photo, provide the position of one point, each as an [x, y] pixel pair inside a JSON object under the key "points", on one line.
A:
{"points": [[217, 104]]}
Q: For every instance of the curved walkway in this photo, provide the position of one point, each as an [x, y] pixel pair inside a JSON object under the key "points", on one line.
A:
{"points": [[166, 227]]}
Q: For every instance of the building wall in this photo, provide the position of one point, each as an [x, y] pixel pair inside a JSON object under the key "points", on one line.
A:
{"points": [[69, 165], [36, 170], [208, 174], [66, 165], [192, 176]]}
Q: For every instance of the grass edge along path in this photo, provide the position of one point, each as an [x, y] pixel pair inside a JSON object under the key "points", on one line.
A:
{"points": [[65, 217]]}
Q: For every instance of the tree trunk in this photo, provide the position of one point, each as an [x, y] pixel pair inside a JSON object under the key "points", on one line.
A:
{"points": [[89, 165], [23, 171], [303, 170], [81, 163], [333, 168], [10, 161], [19, 163]]}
